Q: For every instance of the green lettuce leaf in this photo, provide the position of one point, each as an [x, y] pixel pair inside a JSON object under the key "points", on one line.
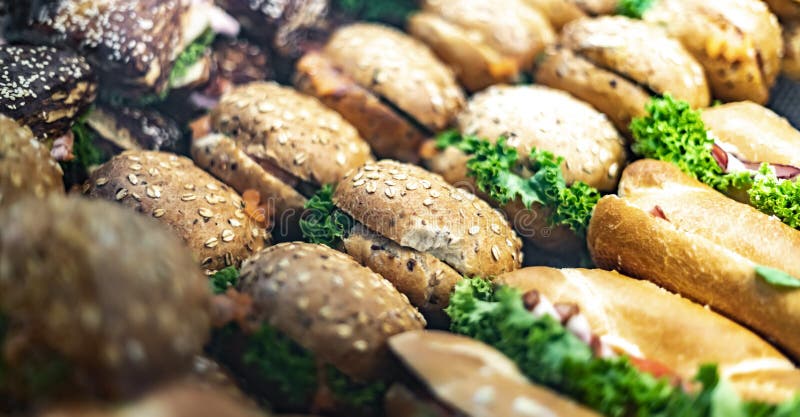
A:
{"points": [[776, 197], [497, 170], [223, 279], [361, 395], [191, 54], [550, 355], [322, 222], [777, 277], [86, 154], [387, 11], [634, 8]]}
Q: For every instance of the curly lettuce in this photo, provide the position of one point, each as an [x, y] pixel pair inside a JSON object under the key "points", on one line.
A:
{"points": [[360, 395], [497, 170], [550, 355], [322, 222], [387, 11], [223, 279], [634, 8], [86, 154], [674, 132]]}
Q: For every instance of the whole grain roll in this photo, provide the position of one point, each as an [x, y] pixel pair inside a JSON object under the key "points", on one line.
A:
{"points": [[106, 302], [201, 210], [26, 168]]}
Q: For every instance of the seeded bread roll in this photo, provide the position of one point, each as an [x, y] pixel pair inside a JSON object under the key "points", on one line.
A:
{"points": [[418, 209], [474, 379], [44, 88], [559, 12], [647, 322], [202, 211], [754, 133], [791, 49], [546, 119], [399, 69], [387, 132], [318, 297], [98, 301], [426, 280], [509, 31], [26, 168], [738, 42], [129, 128], [670, 229], [291, 130], [638, 52], [131, 43]]}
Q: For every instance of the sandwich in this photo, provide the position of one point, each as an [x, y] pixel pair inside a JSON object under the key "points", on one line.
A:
{"points": [[280, 144], [390, 86], [661, 331], [313, 330], [415, 229], [213, 221], [45, 89], [455, 375], [669, 228], [26, 168], [539, 154], [141, 49], [554, 346], [485, 43], [616, 64], [741, 149], [738, 42], [561, 12], [95, 301]]}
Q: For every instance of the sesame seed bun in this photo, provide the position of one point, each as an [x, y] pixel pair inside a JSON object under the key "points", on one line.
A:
{"points": [[44, 88], [418, 209], [202, 211], [738, 43], [329, 304], [26, 168], [399, 69], [291, 130], [104, 291], [511, 29], [475, 379]]}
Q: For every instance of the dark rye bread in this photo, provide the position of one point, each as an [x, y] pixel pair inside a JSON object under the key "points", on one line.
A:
{"points": [[706, 249], [329, 304], [202, 211], [738, 42], [505, 36], [26, 168], [108, 292], [643, 320], [44, 88], [475, 379], [132, 43], [418, 209]]}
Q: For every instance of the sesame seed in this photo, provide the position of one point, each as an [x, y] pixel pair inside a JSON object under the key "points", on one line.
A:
{"points": [[389, 191], [136, 166], [344, 331], [390, 183], [210, 243], [495, 228], [211, 199], [425, 184], [153, 192], [358, 176], [204, 212], [213, 187], [136, 196], [254, 232], [474, 230], [266, 107], [302, 303], [435, 194], [132, 178], [153, 171], [371, 187], [370, 168], [188, 197], [299, 158], [400, 177], [359, 183], [411, 186], [227, 235], [121, 193], [159, 212], [360, 345], [495, 253], [189, 187], [101, 181], [373, 176], [427, 202], [340, 159], [235, 223]]}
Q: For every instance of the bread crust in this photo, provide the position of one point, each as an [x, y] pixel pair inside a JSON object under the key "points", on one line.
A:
{"points": [[754, 132], [791, 50], [398, 68], [425, 280], [558, 12], [26, 168], [624, 237], [329, 304], [389, 134], [198, 208], [785, 9], [666, 328], [514, 31], [418, 209], [615, 96], [457, 369], [738, 42], [640, 52], [294, 131]]}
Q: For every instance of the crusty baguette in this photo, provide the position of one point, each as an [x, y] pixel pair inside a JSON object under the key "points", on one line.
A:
{"points": [[754, 133], [664, 327], [706, 249], [459, 370]]}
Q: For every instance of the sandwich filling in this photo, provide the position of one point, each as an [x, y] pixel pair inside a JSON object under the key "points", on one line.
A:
{"points": [[536, 337], [675, 133]]}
